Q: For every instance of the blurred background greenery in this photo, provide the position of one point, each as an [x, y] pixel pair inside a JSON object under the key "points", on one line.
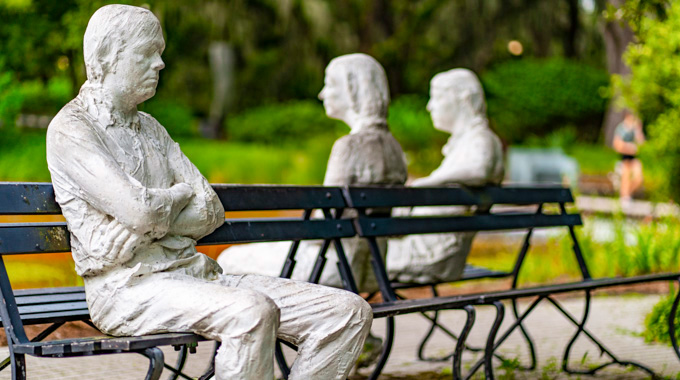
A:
{"points": [[242, 76], [554, 78]]}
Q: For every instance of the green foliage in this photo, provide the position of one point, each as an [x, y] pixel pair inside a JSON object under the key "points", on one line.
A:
{"points": [[45, 99], [175, 117], [290, 122], [533, 97], [653, 90], [10, 100], [656, 322], [411, 125]]}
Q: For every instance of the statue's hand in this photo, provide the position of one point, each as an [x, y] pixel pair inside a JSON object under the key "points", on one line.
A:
{"points": [[119, 243]]}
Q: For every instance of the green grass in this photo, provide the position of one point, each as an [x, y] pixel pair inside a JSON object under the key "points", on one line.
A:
{"points": [[22, 158]]}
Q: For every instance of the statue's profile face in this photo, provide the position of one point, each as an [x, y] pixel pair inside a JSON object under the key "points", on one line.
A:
{"points": [[442, 107], [334, 96], [136, 71]]}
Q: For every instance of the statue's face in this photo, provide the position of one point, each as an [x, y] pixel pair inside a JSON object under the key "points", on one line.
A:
{"points": [[334, 96], [442, 107], [137, 70]]}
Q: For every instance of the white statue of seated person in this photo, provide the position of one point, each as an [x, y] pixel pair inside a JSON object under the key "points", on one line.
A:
{"points": [[473, 156], [135, 206], [356, 92]]}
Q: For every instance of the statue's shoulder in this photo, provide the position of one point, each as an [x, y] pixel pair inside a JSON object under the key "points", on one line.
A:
{"points": [[71, 119], [150, 124]]}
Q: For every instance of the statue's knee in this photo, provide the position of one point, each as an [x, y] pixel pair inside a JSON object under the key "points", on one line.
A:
{"points": [[360, 309], [262, 310]]}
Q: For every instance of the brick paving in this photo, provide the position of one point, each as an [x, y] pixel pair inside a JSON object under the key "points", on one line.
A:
{"points": [[615, 319]]}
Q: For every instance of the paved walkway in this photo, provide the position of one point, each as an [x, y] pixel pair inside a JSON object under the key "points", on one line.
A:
{"points": [[615, 319]]}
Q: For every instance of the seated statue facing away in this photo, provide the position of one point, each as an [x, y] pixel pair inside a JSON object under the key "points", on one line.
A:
{"points": [[135, 206], [473, 156], [356, 92]]}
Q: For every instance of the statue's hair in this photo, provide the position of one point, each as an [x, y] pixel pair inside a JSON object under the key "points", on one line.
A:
{"points": [[462, 81], [111, 29], [365, 82]]}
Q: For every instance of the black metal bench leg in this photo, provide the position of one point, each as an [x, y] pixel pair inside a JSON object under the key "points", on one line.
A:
{"points": [[488, 352], [671, 323], [460, 345], [176, 372], [156, 362], [281, 360], [18, 367], [210, 372], [527, 338], [603, 349], [387, 348]]}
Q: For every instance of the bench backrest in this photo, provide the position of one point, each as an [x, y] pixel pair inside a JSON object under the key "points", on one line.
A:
{"points": [[44, 237], [487, 218]]}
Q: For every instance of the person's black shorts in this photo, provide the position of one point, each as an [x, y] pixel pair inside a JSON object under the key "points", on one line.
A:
{"points": [[627, 157]]}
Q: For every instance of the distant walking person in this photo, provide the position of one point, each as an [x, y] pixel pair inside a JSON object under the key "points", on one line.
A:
{"points": [[628, 136]]}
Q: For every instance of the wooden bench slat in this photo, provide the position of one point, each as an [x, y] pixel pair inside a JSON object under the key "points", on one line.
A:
{"points": [[44, 308], [30, 238], [248, 231], [368, 226], [104, 343], [45, 291], [374, 197], [47, 299], [456, 302], [272, 197], [19, 238], [27, 198]]}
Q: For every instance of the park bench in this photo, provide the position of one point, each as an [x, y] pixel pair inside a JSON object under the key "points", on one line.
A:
{"points": [[55, 306], [492, 216]]}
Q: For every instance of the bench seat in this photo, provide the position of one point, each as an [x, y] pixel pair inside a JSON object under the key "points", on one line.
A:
{"points": [[101, 344], [387, 309]]}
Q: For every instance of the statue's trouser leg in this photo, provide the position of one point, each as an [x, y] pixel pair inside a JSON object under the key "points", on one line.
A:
{"points": [[328, 325], [244, 320]]}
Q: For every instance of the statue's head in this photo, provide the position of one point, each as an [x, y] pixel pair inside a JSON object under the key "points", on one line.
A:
{"points": [[456, 96], [355, 89], [122, 49]]}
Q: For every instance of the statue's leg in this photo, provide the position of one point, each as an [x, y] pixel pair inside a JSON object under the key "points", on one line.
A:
{"points": [[328, 325], [245, 321]]}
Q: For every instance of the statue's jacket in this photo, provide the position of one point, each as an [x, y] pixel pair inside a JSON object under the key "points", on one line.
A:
{"points": [[112, 182]]}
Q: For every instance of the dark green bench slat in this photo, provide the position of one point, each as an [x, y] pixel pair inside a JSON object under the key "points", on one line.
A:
{"points": [[52, 307], [55, 317], [46, 299], [18, 238], [28, 238], [38, 198], [368, 226], [104, 343], [248, 231], [470, 272], [374, 197], [27, 198], [446, 303], [268, 197], [45, 291]]}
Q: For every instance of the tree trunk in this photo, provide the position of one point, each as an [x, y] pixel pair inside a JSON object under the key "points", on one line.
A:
{"points": [[617, 36], [222, 68]]}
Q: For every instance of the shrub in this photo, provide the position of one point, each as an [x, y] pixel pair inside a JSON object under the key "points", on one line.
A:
{"points": [[10, 100], [177, 118], [534, 97], [289, 122], [45, 99], [412, 127]]}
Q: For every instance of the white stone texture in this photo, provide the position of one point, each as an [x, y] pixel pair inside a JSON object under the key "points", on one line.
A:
{"points": [[356, 92], [135, 206], [473, 156]]}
